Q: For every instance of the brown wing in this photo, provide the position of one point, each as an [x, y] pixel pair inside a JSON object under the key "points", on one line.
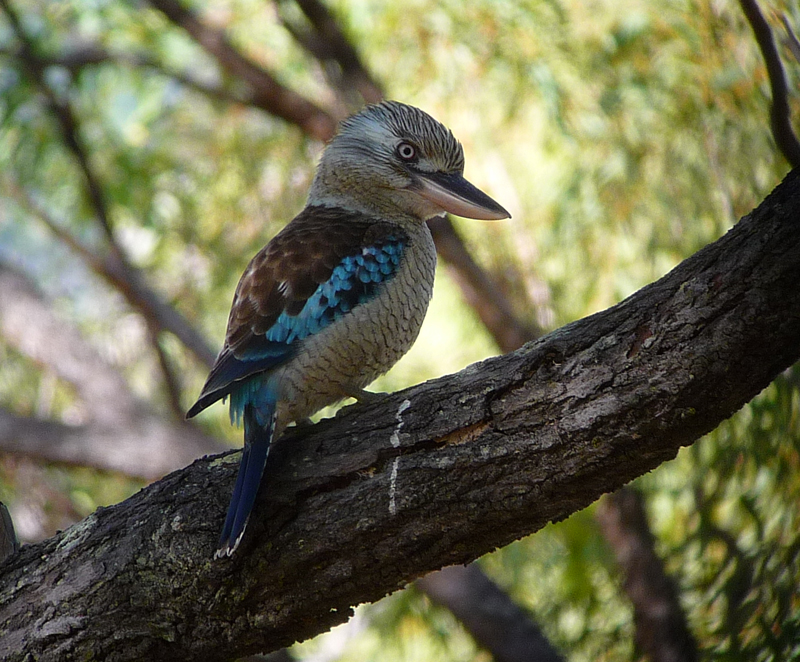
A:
{"points": [[281, 278], [288, 270]]}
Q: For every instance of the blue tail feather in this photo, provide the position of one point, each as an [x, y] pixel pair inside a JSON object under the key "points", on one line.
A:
{"points": [[259, 428]]}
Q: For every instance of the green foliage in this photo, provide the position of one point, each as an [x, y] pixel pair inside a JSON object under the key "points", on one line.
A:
{"points": [[740, 541], [404, 627], [565, 576], [623, 136]]}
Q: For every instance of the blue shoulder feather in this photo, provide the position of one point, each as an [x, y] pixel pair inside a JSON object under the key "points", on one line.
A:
{"points": [[353, 281]]}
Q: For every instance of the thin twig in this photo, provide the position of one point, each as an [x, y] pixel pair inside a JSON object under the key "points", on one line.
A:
{"points": [[25, 200], [791, 38], [114, 267], [780, 115], [77, 59]]}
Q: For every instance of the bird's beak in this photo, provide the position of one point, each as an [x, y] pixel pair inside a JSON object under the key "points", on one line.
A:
{"points": [[456, 195]]}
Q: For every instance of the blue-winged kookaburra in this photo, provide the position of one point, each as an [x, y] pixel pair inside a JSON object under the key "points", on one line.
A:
{"points": [[339, 295]]}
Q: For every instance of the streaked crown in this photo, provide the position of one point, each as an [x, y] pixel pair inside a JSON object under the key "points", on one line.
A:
{"points": [[396, 161], [392, 122]]}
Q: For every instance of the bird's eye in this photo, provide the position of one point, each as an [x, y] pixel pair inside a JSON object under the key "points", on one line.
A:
{"points": [[406, 151]]}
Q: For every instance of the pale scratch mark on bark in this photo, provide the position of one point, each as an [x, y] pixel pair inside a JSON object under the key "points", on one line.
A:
{"points": [[395, 440]]}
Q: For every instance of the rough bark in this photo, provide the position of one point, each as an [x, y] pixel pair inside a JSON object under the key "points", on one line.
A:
{"points": [[9, 544], [438, 474]]}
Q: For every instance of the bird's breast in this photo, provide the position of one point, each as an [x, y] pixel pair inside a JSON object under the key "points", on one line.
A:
{"points": [[366, 342]]}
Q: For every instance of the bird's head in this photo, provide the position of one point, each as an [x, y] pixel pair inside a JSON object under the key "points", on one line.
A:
{"points": [[393, 159]]}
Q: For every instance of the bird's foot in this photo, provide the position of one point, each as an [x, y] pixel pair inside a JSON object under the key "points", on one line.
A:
{"points": [[364, 396]]}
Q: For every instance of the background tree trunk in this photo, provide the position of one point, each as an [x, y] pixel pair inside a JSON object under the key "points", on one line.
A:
{"points": [[489, 614], [662, 634]]}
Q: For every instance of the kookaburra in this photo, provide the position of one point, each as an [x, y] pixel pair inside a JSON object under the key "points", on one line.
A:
{"points": [[339, 295]]}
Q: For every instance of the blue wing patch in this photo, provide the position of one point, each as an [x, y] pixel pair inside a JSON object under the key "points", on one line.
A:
{"points": [[355, 280]]}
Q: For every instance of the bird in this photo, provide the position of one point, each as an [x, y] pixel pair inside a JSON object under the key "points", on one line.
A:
{"points": [[338, 296]]}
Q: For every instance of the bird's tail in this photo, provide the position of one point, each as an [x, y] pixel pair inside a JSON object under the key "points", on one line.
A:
{"points": [[259, 429]]}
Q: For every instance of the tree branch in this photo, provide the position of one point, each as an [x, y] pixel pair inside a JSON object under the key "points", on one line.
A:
{"points": [[496, 622], [477, 287], [123, 434], [662, 633], [62, 111], [123, 277], [172, 383], [327, 43], [479, 290], [780, 115], [791, 38], [28, 323], [87, 55], [147, 449], [114, 266], [268, 94], [8, 538], [436, 475]]}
